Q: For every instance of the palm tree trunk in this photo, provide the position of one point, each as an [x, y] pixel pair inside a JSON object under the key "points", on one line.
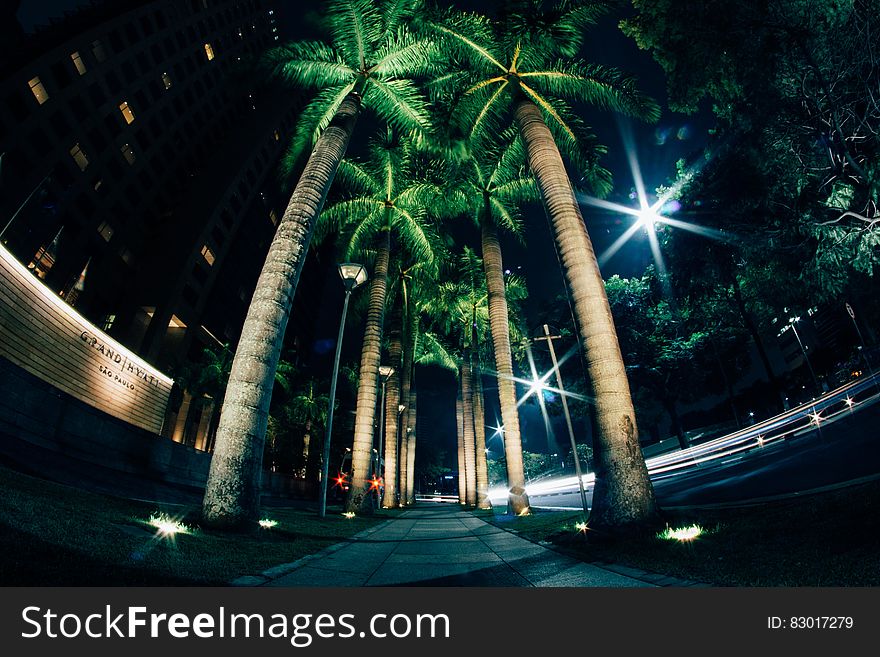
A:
{"points": [[480, 442], [411, 450], [232, 492], [467, 409], [405, 385], [307, 438], [623, 497], [359, 498], [392, 404], [499, 324], [459, 422]]}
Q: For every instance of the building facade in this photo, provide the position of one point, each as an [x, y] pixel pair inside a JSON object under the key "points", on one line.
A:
{"points": [[139, 172]]}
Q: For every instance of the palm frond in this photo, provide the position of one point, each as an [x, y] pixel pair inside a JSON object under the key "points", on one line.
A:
{"points": [[471, 36], [399, 103], [406, 55], [308, 65], [313, 120], [431, 351], [356, 179], [356, 26], [601, 86]]}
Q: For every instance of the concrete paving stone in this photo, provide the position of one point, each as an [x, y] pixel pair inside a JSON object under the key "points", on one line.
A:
{"points": [[541, 566], [422, 574], [248, 580], [480, 557], [584, 574], [308, 576], [441, 547]]}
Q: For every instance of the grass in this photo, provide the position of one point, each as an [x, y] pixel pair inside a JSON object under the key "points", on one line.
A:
{"points": [[53, 535], [828, 539]]}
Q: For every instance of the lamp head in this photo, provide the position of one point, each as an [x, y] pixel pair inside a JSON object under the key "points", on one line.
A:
{"points": [[352, 274]]}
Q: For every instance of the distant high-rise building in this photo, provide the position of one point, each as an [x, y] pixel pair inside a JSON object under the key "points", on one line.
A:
{"points": [[139, 161]]}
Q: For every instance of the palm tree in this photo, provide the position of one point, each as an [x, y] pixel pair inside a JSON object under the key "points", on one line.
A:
{"points": [[496, 184], [370, 62], [524, 67], [461, 311], [309, 410], [387, 208]]}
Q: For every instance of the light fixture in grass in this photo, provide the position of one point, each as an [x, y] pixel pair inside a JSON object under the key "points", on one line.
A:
{"points": [[266, 523], [168, 527], [682, 534]]}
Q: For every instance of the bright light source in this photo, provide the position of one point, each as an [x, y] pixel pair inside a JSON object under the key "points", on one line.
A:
{"points": [[166, 526], [681, 534], [648, 218], [849, 402], [525, 512], [760, 441], [581, 526], [265, 523], [348, 514], [815, 418]]}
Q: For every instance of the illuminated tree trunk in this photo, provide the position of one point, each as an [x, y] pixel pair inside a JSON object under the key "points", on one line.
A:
{"points": [[499, 325], [392, 404], [467, 409], [368, 382], [480, 442], [459, 424], [411, 451], [232, 492], [623, 497], [405, 385]]}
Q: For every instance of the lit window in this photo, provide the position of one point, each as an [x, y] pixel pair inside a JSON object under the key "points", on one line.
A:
{"points": [[79, 157], [98, 184], [105, 230], [43, 260], [273, 217], [277, 136], [127, 112], [126, 255], [209, 51], [208, 255], [127, 153], [166, 80], [98, 50], [108, 322], [78, 62], [175, 322], [39, 90]]}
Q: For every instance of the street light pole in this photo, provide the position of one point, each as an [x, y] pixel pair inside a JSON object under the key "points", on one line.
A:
{"points": [[577, 462], [792, 321], [352, 275]]}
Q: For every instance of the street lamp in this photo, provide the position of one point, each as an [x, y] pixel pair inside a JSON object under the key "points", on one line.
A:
{"points": [[353, 275], [577, 461], [792, 321], [385, 372]]}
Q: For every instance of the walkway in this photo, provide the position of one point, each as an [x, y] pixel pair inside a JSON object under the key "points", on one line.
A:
{"points": [[439, 545]]}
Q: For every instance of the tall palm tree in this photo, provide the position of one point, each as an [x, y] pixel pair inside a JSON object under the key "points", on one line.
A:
{"points": [[370, 62], [525, 66], [496, 184], [387, 208], [309, 410]]}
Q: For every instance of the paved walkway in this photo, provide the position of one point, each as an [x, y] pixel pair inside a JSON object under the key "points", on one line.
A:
{"points": [[439, 545]]}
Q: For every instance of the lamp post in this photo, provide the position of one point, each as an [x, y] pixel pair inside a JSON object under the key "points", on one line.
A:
{"points": [[577, 461], [385, 371], [353, 275], [792, 321]]}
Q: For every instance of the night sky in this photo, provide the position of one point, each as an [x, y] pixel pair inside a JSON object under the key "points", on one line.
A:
{"points": [[658, 147]]}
